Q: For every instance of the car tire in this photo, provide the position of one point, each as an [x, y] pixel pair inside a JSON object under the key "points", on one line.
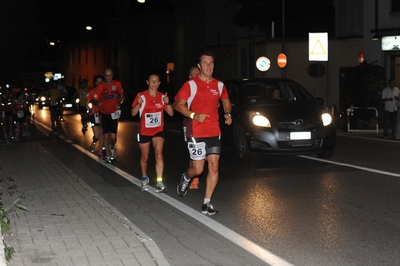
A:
{"points": [[325, 155], [241, 144]]}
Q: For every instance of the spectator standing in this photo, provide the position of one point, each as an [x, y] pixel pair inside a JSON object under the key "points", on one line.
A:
{"points": [[150, 105], [199, 99], [81, 94], [390, 96], [111, 96], [94, 115]]}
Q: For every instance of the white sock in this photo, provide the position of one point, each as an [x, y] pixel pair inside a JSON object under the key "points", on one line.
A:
{"points": [[206, 200]]}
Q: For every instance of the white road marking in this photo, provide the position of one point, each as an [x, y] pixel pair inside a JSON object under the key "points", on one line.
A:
{"points": [[241, 241], [351, 166]]}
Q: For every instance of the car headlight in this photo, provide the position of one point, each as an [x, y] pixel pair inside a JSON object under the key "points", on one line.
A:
{"points": [[77, 100], [326, 119], [43, 98], [259, 120]]}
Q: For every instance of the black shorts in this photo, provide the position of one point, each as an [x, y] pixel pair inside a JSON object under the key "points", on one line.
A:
{"points": [[17, 119], [53, 108], [109, 125], [145, 139], [7, 113], [198, 150], [94, 122]]}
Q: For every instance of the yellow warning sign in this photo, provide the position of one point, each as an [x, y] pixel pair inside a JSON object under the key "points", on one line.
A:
{"points": [[318, 46]]}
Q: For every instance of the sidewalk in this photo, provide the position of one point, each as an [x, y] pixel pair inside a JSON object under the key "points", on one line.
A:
{"points": [[67, 223]]}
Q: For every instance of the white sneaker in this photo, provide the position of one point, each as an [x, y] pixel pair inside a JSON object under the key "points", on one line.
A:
{"points": [[107, 159], [145, 182], [113, 154], [161, 187]]}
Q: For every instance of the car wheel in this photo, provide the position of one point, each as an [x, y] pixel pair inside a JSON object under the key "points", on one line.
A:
{"points": [[325, 155], [241, 144]]}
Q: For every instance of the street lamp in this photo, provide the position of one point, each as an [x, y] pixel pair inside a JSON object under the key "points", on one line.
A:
{"points": [[141, 1]]}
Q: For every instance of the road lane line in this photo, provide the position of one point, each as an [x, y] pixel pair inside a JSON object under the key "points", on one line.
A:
{"points": [[220, 229], [351, 166], [239, 240]]}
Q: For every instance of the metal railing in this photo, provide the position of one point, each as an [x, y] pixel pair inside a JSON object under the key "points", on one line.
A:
{"points": [[352, 108]]}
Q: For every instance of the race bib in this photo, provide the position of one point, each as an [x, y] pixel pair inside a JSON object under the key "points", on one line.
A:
{"points": [[116, 114], [152, 119], [197, 151], [96, 118], [20, 114]]}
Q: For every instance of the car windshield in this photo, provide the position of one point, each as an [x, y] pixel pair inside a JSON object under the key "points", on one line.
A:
{"points": [[262, 92]]}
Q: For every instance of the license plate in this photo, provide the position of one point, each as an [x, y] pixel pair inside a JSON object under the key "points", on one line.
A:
{"points": [[300, 135]]}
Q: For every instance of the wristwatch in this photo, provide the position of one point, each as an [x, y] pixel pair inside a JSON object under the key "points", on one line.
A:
{"points": [[192, 115]]}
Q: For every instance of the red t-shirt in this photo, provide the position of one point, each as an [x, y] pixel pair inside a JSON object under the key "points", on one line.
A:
{"points": [[109, 96], [151, 113], [92, 94], [203, 97]]}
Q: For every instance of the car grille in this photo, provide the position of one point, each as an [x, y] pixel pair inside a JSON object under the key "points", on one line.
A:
{"points": [[298, 144], [294, 126]]}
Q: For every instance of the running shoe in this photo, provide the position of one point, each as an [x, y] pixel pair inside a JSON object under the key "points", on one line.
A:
{"points": [[195, 183], [183, 187], [113, 154], [91, 148], [107, 159], [161, 187], [145, 182], [208, 209]]}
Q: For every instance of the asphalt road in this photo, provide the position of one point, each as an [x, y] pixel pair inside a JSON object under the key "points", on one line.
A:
{"points": [[274, 211]]}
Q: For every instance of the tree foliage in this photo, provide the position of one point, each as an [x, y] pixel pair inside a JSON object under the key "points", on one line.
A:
{"points": [[362, 85], [301, 16]]}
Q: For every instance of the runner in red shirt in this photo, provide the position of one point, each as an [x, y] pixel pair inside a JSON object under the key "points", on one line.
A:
{"points": [[150, 105], [199, 99], [111, 96], [193, 72]]}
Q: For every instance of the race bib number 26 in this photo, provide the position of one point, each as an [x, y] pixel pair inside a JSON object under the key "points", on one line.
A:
{"points": [[153, 120], [197, 151]]}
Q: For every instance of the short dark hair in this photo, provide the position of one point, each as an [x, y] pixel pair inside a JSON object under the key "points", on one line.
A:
{"points": [[154, 74], [207, 53]]}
